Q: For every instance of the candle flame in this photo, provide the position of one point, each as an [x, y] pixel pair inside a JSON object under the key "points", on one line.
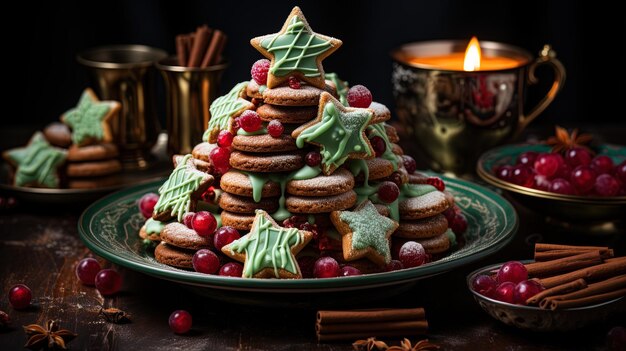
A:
{"points": [[472, 56]]}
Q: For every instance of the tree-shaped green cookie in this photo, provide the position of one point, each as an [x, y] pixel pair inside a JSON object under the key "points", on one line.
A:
{"points": [[223, 109], [90, 119], [296, 51], [269, 250], [37, 164], [180, 192]]}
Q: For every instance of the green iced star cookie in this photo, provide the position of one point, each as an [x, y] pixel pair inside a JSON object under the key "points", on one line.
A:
{"points": [[90, 119]]}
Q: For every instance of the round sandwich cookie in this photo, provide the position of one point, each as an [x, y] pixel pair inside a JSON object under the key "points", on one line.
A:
{"points": [[254, 90], [287, 114], [422, 228], [339, 182], [307, 95], [241, 204], [240, 184], [58, 134], [94, 182], [264, 143], [179, 235], [151, 230], [238, 221], [423, 206], [380, 112], [202, 151], [93, 168], [173, 256], [436, 245], [265, 163], [95, 152], [379, 168], [322, 204]]}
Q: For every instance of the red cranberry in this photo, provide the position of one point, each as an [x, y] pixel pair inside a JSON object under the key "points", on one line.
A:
{"points": [[583, 178], [188, 219], [347, 271], [220, 156], [577, 157], [504, 292], [259, 71], [484, 285], [108, 282], [563, 172], [359, 96], [547, 164], [180, 321], [412, 254], [436, 182], [205, 261], [388, 192], [505, 173], [204, 223], [513, 272], [606, 185], [526, 289], [562, 186], [396, 177], [250, 121], [275, 128], [146, 204], [225, 138], [313, 159], [20, 296], [294, 83], [602, 164], [87, 269], [522, 175], [459, 224], [450, 214], [232, 269], [326, 267], [394, 265], [620, 172], [379, 145], [527, 158], [409, 164], [224, 236]]}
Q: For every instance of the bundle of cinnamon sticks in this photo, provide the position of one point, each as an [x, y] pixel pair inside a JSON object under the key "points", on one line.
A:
{"points": [[201, 48], [576, 276], [356, 324]]}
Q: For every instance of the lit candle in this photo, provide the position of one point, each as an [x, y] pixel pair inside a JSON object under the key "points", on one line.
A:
{"points": [[470, 60]]}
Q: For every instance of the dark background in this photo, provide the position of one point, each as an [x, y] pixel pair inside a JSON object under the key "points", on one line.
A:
{"points": [[592, 54]]}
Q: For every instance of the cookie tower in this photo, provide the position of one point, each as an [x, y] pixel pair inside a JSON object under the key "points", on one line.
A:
{"points": [[300, 160]]}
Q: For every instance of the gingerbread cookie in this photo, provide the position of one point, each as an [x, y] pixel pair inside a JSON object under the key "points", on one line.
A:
{"points": [[224, 109], [341, 181], [254, 90], [238, 221], [181, 191], [422, 228], [364, 233], [269, 250], [90, 119], [179, 235], [267, 162], [241, 204], [436, 245], [285, 96], [323, 204], [238, 183], [339, 131], [264, 143], [296, 51], [93, 168], [422, 206], [58, 134], [103, 151], [151, 230], [173, 256], [37, 164], [202, 151], [380, 113], [287, 114]]}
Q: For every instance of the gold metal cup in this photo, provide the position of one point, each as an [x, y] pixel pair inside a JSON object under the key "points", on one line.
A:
{"points": [[125, 73], [189, 93], [451, 117]]}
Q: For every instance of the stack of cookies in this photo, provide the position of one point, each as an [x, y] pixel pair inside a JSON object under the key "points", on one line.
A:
{"points": [[294, 148]]}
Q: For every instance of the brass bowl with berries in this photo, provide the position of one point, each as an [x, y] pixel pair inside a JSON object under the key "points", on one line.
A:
{"points": [[577, 185]]}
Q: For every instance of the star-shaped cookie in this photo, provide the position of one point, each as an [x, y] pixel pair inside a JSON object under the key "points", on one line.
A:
{"points": [[37, 163], [339, 131], [269, 250], [364, 233], [224, 109], [296, 51], [90, 119], [181, 191]]}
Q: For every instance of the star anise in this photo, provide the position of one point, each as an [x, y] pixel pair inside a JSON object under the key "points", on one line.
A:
{"points": [[422, 345], [5, 320], [114, 315], [49, 337], [369, 344], [563, 140]]}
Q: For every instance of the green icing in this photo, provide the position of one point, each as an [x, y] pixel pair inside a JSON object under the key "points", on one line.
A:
{"points": [[342, 87], [452, 237], [260, 131], [415, 190], [262, 88], [268, 246], [86, 119], [378, 129], [369, 229], [175, 193], [339, 134], [297, 49], [154, 226], [224, 108], [37, 163]]}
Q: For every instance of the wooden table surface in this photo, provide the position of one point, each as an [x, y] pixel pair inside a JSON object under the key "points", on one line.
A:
{"points": [[39, 247]]}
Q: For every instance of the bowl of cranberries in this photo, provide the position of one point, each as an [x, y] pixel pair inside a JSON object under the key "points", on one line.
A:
{"points": [[503, 289], [577, 184]]}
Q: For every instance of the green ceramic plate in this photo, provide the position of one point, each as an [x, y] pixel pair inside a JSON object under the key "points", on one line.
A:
{"points": [[567, 207], [110, 229]]}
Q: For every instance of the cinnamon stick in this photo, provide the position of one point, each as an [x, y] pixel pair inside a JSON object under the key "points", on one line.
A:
{"points": [[600, 271], [604, 286], [556, 254], [559, 289], [181, 50], [375, 315], [374, 327], [200, 43], [539, 247], [212, 48], [356, 336], [586, 301], [565, 264]]}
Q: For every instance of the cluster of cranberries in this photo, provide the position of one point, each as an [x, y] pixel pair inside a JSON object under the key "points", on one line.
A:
{"points": [[510, 284], [107, 281], [576, 172]]}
